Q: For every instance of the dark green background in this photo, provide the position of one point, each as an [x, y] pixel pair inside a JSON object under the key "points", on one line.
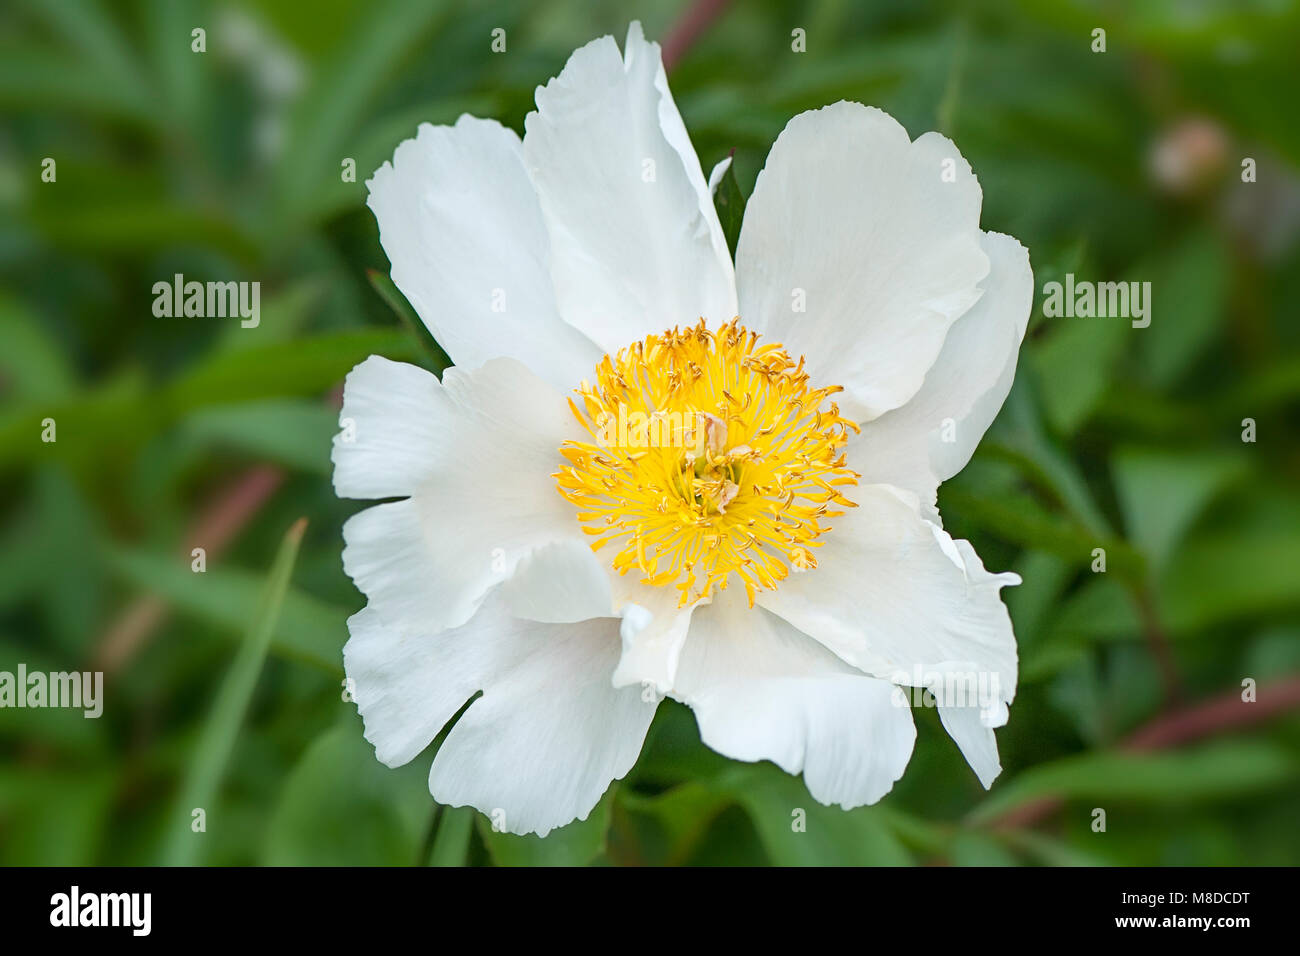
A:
{"points": [[220, 166]]}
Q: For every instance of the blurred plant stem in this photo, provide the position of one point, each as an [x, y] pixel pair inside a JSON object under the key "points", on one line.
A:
{"points": [[696, 19], [1158, 642], [228, 513], [216, 742]]}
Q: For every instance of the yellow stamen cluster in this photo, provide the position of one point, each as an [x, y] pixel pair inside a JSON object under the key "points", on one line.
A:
{"points": [[709, 454]]}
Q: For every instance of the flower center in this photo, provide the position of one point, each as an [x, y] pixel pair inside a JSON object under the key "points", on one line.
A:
{"points": [[709, 455]]}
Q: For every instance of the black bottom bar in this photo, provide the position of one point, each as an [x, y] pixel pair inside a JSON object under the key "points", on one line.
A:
{"points": [[309, 906]]}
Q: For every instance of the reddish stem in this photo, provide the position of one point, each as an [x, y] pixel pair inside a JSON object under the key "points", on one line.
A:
{"points": [[1215, 716], [214, 530], [688, 28]]}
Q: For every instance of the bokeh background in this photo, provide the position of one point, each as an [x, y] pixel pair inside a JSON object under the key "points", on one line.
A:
{"points": [[224, 688]]}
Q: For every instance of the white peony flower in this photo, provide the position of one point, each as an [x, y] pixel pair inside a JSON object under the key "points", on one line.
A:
{"points": [[592, 512]]}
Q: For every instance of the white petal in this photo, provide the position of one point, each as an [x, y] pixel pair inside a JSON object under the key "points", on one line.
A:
{"points": [[550, 731], [763, 691], [482, 499], [390, 437], [719, 170], [644, 54], [636, 245], [560, 584], [460, 222], [895, 596], [968, 728], [653, 631], [542, 743], [857, 220], [407, 686], [931, 438]]}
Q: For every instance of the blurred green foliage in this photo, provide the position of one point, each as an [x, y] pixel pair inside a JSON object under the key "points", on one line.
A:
{"points": [[226, 164]]}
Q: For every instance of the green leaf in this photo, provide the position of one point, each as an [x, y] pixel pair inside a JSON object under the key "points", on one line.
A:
{"points": [[973, 848], [1051, 852], [684, 814], [281, 317], [50, 82], [1105, 694], [71, 581], [63, 814], [85, 423], [1218, 579], [437, 361], [1022, 521], [217, 740], [98, 43], [730, 204], [1162, 493], [452, 841], [1046, 576], [1018, 435], [1189, 287], [144, 225], [89, 425], [341, 806], [179, 84], [574, 845], [1101, 611], [302, 367], [63, 730], [307, 629], [31, 363], [796, 830], [1213, 771], [1073, 361], [333, 110], [293, 432]]}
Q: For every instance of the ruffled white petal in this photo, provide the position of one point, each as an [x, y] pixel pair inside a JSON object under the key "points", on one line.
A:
{"points": [[763, 691], [542, 743], [390, 437], [483, 445], [931, 438], [550, 732], [407, 686], [636, 246], [856, 253], [460, 222], [895, 596], [637, 48]]}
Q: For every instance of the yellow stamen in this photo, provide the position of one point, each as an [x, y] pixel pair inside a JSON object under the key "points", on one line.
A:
{"points": [[710, 455]]}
